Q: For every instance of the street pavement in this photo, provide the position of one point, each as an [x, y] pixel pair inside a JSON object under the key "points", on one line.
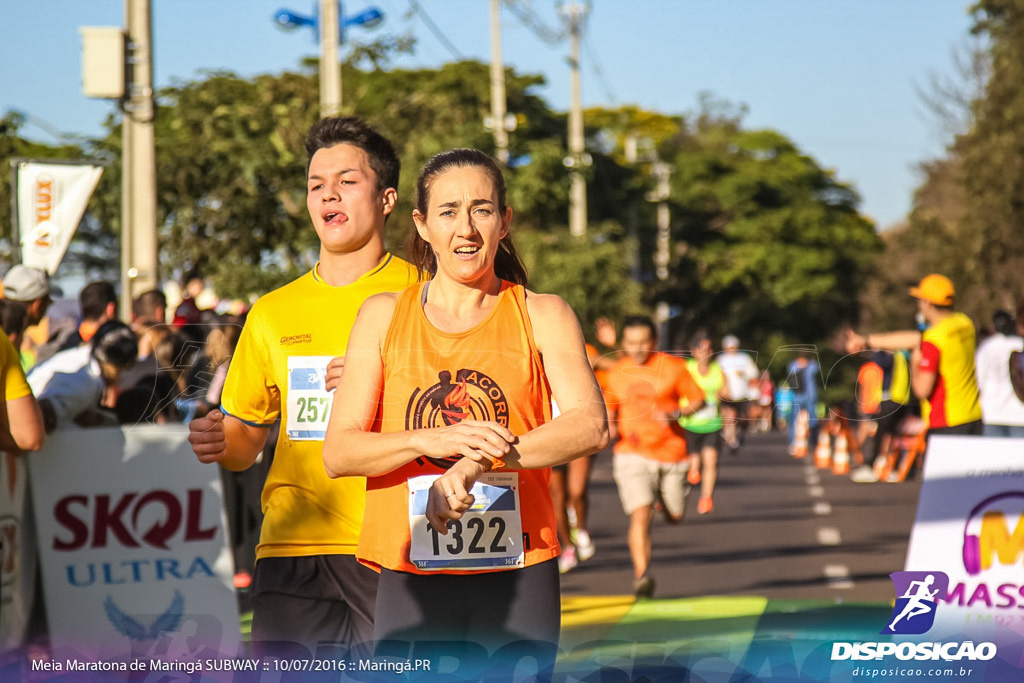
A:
{"points": [[792, 559], [781, 529]]}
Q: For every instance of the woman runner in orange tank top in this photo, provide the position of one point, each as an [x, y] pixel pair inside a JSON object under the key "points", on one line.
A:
{"points": [[445, 406]]}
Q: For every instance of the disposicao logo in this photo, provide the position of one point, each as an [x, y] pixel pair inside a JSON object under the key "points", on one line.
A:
{"points": [[917, 597]]}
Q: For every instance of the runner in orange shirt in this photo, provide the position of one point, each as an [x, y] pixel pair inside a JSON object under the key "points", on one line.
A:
{"points": [[643, 391], [445, 406]]}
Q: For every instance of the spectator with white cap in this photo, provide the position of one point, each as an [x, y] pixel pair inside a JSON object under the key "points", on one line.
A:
{"points": [[27, 290]]}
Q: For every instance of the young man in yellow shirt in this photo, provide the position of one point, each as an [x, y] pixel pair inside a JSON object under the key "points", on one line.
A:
{"points": [[307, 585]]}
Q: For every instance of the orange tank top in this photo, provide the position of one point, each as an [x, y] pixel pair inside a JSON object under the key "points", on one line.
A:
{"points": [[493, 372]]}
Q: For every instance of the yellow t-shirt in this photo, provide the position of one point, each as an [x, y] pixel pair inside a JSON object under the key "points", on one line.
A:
{"points": [[277, 370], [947, 349], [15, 384]]}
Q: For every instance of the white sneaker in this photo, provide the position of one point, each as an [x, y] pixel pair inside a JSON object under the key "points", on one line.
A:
{"points": [[863, 475], [584, 545], [567, 560]]}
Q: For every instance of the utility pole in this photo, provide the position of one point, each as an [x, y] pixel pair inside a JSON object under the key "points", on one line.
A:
{"points": [[660, 195], [330, 66], [139, 264], [498, 86], [578, 158]]}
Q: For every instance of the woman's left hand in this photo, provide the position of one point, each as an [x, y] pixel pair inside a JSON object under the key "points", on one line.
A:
{"points": [[450, 496]]}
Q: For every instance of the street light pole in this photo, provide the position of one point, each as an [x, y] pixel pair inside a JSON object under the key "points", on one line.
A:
{"points": [[577, 157], [328, 23], [330, 65]]}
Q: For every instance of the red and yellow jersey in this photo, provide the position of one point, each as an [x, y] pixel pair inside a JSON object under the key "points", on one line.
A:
{"points": [[640, 394], [947, 349], [432, 378], [277, 371]]}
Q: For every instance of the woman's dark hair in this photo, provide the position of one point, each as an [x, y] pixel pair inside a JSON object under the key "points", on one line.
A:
{"points": [[352, 130], [507, 264]]}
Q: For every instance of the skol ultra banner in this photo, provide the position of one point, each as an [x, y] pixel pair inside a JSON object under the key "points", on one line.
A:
{"points": [[51, 197], [135, 557]]}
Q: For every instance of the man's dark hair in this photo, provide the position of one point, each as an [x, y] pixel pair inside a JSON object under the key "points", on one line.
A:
{"points": [[1003, 322], [94, 299], [115, 343], [352, 130], [146, 305], [13, 315], [640, 321]]}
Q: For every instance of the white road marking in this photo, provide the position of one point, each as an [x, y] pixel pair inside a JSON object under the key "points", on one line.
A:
{"points": [[838, 576], [829, 536]]}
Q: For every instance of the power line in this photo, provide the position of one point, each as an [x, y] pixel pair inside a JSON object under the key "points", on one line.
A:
{"points": [[595, 66], [438, 33], [529, 19]]}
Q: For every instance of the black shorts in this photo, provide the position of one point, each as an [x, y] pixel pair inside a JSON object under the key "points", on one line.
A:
{"points": [[490, 619], [888, 418], [740, 407], [967, 429], [305, 601], [697, 441]]}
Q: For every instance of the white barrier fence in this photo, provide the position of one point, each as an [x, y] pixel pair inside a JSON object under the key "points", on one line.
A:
{"points": [[131, 537]]}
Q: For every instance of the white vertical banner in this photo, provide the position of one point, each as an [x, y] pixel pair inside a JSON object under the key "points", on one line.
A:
{"points": [[970, 526], [17, 551], [135, 556], [52, 197]]}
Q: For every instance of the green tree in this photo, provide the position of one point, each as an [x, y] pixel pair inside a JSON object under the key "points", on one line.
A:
{"points": [[766, 239], [991, 253], [588, 272], [967, 211]]}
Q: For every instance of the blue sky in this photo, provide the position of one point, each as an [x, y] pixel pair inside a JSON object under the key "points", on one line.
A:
{"points": [[841, 78]]}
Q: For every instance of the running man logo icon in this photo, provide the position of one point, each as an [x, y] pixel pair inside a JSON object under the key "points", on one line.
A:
{"points": [[917, 595]]}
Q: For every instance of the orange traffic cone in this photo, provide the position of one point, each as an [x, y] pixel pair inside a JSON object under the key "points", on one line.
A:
{"points": [[841, 458], [882, 466], [823, 452], [800, 434]]}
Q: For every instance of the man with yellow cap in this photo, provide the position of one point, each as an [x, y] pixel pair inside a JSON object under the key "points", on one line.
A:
{"points": [[943, 365], [942, 358]]}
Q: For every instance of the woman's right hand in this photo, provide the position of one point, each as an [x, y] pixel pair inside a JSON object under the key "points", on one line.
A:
{"points": [[477, 440]]}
